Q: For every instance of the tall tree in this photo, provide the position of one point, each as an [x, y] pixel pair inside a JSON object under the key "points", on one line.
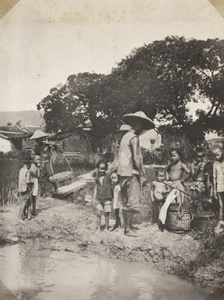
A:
{"points": [[209, 65], [162, 79], [67, 105]]}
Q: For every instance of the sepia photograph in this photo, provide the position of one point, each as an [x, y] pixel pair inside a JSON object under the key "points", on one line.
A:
{"points": [[112, 150]]}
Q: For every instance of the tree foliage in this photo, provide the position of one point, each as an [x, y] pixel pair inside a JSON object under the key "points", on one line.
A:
{"points": [[162, 79], [172, 73]]}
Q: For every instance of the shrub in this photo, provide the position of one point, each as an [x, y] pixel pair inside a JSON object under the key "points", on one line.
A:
{"points": [[11, 154], [171, 138]]}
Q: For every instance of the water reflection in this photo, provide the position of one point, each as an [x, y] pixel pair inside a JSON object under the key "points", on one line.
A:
{"points": [[33, 271]]}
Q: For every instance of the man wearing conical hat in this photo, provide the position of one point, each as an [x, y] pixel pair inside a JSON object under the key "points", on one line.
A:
{"points": [[130, 167]]}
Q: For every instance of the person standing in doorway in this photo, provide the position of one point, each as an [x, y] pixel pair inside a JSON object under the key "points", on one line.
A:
{"points": [[130, 167]]}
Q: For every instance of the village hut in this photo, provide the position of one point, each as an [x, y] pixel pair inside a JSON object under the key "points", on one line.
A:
{"points": [[11, 138]]}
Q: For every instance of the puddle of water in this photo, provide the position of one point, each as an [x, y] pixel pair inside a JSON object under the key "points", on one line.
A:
{"points": [[31, 271]]}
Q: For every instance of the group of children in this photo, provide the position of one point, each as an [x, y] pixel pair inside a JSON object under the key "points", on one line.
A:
{"points": [[28, 188], [107, 193], [207, 182], [207, 177]]}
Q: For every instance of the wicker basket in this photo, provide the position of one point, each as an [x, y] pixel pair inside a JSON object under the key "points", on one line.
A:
{"points": [[178, 219]]}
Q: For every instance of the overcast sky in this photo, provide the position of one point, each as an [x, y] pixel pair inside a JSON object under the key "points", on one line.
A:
{"points": [[45, 41]]}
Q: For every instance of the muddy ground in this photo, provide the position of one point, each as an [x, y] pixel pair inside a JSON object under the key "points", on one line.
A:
{"points": [[196, 256]]}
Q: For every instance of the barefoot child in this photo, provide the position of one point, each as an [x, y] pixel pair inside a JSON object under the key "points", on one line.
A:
{"points": [[103, 194], [159, 192], [175, 171], [35, 174], [218, 180], [117, 201], [198, 176], [24, 190]]}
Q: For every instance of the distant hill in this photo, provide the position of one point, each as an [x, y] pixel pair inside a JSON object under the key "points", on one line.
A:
{"points": [[28, 117]]}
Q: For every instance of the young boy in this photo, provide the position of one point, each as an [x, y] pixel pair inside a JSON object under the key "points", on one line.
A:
{"points": [[24, 190], [175, 171], [117, 201], [35, 174], [198, 175], [218, 180], [159, 192], [103, 194]]}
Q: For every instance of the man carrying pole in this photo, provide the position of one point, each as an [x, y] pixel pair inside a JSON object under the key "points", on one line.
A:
{"points": [[130, 167]]}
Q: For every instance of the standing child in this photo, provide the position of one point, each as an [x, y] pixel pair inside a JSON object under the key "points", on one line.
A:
{"points": [[117, 201], [218, 180], [103, 194], [198, 176], [34, 175], [175, 171], [24, 190], [159, 192]]}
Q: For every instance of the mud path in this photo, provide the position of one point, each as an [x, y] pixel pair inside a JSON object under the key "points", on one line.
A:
{"points": [[195, 256]]}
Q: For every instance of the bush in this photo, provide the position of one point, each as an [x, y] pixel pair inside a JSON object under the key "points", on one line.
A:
{"points": [[172, 137], [11, 154], [157, 157]]}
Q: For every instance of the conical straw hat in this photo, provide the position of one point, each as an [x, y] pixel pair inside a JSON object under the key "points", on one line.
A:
{"points": [[38, 134], [140, 115]]}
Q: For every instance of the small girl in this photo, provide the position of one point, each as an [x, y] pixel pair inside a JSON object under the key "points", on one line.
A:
{"points": [[159, 191], [117, 201], [103, 194]]}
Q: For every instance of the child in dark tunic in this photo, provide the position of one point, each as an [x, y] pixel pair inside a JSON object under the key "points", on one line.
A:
{"points": [[103, 194]]}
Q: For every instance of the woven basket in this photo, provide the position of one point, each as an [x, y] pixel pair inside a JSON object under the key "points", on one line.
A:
{"points": [[178, 220]]}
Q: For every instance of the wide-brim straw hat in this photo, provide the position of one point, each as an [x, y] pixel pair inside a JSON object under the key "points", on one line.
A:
{"points": [[38, 134], [141, 116], [124, 127]]}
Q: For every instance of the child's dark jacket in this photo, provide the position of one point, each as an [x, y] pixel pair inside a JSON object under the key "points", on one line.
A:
{"points": [[104, 190]]}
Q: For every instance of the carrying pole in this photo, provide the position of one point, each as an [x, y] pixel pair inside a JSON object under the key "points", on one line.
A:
{"points": [[202, 200]]}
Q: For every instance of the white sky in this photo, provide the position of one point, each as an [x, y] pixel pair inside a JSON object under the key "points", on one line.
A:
{"points": [[45, 41]]}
